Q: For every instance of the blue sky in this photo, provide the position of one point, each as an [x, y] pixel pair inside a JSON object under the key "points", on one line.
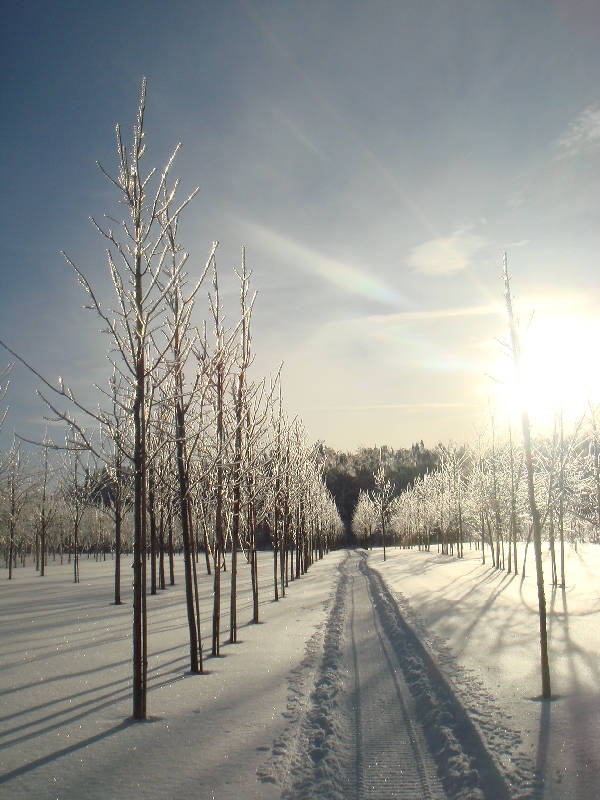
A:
{"points": [[375, 158]]}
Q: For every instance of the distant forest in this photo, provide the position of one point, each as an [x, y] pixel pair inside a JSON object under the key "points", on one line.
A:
{"points": [[347, 473]]}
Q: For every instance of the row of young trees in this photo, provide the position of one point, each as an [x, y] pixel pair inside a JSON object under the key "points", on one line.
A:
{"points": [[58, 505], [500, 492], [478, 496], [501, 495], [185, 435]]}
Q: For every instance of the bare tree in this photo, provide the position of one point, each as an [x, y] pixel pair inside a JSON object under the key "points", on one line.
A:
{"points": [[135, 273], [242, 439], [178, 327], [47, 507], [222, 359], [19, 489], [76, 490], [515, 349], [364, 519], [382, 498]]}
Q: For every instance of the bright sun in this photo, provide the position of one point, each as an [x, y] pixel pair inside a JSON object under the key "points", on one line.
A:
{"points": [[560, 369]]}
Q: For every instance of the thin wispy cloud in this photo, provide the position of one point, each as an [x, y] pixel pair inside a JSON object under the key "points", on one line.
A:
{"points": [[446, 254], [341, 275], [443, 313], [299, 135], [366, 152], [515, 200], [400, 406], [582, 135]]}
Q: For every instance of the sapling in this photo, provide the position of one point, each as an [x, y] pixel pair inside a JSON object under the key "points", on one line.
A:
{"points": [[515, 349]]}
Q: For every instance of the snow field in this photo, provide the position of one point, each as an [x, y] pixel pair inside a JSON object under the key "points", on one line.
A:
{"points": [[481, 627], [368, 680], [65, 659]]}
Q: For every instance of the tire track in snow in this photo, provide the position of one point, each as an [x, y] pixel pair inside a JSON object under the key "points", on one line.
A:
{"points": [[466, 769], [370, 715], [356, 705], [391, 756]]}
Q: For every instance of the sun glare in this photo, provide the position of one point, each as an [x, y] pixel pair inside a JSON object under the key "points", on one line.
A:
{"points": [[559, 367]]}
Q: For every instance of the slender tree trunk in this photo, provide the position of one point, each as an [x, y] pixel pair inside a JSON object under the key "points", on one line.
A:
{"points": [[482, 523], [275, 553], [43, 517], [152, 514], [171, 550], [76, 545], [233, 579], [138, 682], [282, 549], [253, 562], [537, 527], [118, 546], [537, 543], [207, 550], [186, 535], [161, 544], [552, 550], [139, 522], [11, 527], [298, 541], [513, 505], [237, 495]]}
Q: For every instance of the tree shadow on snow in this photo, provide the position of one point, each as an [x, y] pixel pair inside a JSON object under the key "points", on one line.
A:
{"points": [[40, 762]]}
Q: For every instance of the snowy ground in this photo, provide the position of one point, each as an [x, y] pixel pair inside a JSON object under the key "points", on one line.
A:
{"points": [[345, 690], [65, 666], [481, 626]]}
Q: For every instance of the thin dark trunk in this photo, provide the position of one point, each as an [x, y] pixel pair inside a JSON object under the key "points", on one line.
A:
{"points": [[196, 592], [118, 524], [161, 544], [253, 563], [11, 528], [139, 505], [138, 555], [44, 519], [537, 527], [553, 570], [275, 553], [207, 551], [152, 514], [482, 523], [186, 534], [237, 495], [171, 550]]}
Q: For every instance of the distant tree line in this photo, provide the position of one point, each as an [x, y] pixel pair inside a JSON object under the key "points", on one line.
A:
{"points": [[348, 474]]}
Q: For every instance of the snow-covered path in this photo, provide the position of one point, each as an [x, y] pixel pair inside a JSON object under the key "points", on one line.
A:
{"points": [[376, 718], [391, 754]]}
